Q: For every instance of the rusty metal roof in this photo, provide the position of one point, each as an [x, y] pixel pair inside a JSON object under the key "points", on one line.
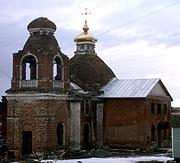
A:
{"points": [[130, 88]]}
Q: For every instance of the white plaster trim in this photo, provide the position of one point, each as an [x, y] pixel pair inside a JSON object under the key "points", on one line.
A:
{"points": [[41, 29], [28, 54], [37, 96]]}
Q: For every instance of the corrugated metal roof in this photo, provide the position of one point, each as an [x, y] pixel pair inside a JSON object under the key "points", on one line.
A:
{"points": [[128, 88]]}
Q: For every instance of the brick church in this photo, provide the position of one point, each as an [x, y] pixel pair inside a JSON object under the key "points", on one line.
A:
{"points": [[59, 103]]}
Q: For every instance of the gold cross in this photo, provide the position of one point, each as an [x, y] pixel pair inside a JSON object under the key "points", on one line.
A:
{"points": [[86, 13]]}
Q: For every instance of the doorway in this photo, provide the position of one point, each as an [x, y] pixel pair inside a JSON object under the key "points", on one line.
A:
{"points": [[26, 142], [60, 134], [159, 134], [86, 136]]}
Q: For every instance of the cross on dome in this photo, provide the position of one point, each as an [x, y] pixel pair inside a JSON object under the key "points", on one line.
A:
{"points": [[86, 13], [86, 28]]}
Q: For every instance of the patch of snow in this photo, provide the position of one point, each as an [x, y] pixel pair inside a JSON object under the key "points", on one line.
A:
{"points": [[114, 160]]}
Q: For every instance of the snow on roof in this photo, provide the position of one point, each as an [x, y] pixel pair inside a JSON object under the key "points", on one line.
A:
{"points": [[76, 87], [128, 88]]}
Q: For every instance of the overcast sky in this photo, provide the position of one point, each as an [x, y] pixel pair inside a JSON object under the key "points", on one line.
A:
{"points": [[136, 38]]}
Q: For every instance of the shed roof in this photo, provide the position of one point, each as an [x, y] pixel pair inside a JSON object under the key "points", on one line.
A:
{"points": [[131, 88]]}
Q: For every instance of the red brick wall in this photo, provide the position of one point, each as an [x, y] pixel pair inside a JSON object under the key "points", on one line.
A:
{"points": [[123, 121], [127, 122], [45, 69], [40, 116]]}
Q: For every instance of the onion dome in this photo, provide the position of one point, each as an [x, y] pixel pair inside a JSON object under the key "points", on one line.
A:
{"points": [[85, 36], [41, 37], [41, 24], [89, 72]]}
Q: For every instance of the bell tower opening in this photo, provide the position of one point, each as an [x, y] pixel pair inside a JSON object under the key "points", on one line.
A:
{"points": [[57, 69], [29, 67]]}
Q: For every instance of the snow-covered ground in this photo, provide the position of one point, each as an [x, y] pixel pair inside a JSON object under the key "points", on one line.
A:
{"points": [[113, 160]]}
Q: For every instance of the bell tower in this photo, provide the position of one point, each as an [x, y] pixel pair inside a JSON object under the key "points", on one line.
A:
{"points": [[38, 97], [41, 64]]}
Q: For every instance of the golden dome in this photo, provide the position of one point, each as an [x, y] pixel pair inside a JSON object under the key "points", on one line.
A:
{"points": [[85, 36]]}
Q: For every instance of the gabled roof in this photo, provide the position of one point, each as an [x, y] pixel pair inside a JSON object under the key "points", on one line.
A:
{"points": [[133, 88]]}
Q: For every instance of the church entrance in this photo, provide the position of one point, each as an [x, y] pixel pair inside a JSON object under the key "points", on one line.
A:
{"points": [[26, 142], [86, 136]]}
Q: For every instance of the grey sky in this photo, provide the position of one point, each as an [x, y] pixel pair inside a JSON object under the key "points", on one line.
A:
{"points": [[137, 39]]}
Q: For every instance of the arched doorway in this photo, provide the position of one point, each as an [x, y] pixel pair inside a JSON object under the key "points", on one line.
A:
{"points": [[159, 126], [86, 136], [60, 134]]}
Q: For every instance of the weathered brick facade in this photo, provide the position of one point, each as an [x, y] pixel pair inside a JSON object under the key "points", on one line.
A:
{"points": [[44, 112], [128, 122], [39, 115], [48, 110]]}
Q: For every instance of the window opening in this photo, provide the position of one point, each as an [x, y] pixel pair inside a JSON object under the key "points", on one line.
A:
{"points": [[57, 69], [87, 107], [159, 109], [29, 68], [152, 108], [28, 71], [165, 108]]}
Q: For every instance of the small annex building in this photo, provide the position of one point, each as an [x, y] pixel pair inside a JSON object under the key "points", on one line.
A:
{"points": [[137, 113], [57, 103]]}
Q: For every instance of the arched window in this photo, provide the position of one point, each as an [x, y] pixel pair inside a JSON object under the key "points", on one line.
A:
{"points": [[29, 67], [60, 134], [57, 69], [152, 133]]}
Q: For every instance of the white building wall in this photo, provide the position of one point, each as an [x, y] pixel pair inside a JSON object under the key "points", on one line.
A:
{"points": [[75, 139]]}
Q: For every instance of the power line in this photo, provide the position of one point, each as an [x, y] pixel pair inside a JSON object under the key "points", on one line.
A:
{"points": [[138, 59], [61, 20], [137, 19], [5, 74], [149, 68], [141, 17]]}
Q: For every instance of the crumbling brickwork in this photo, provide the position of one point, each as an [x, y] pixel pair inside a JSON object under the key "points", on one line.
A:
{"points": [[128, 122], [41, 117]]}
